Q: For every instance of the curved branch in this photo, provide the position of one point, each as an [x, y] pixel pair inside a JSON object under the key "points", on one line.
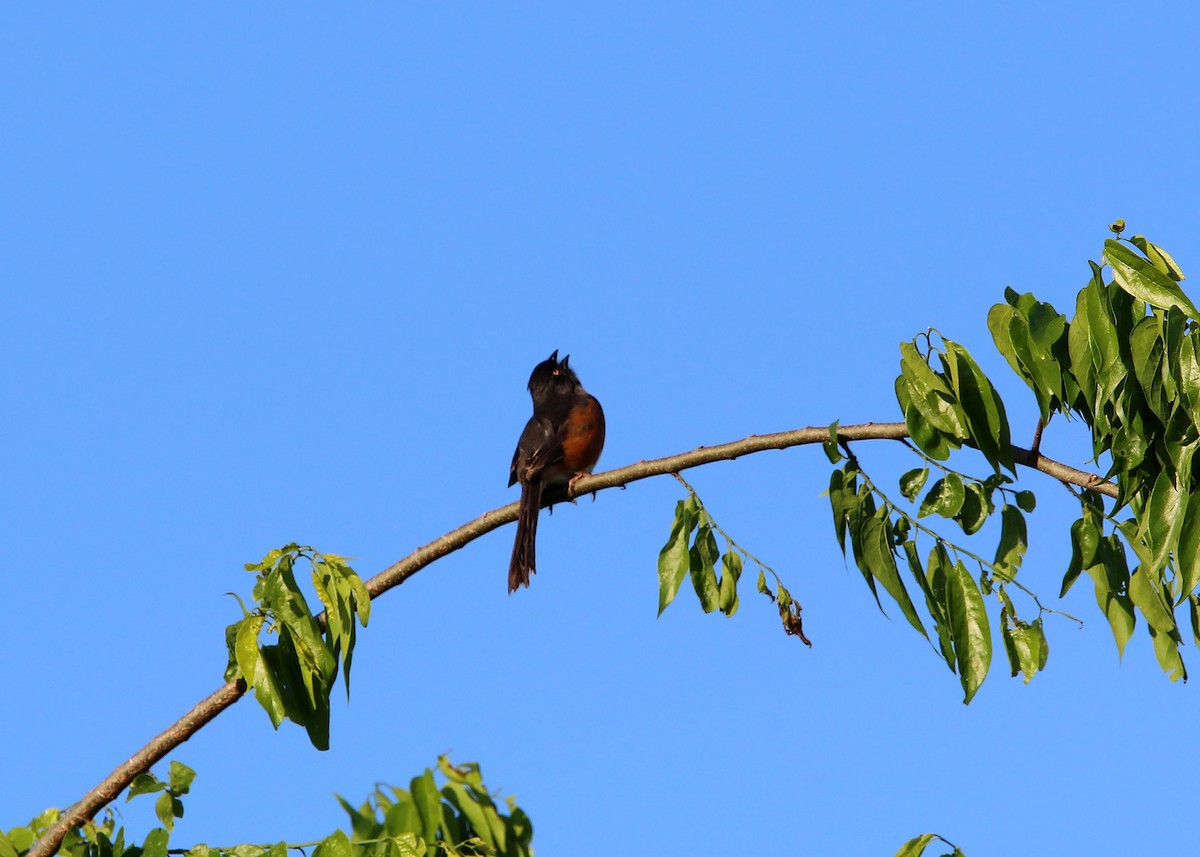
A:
{"points": [[229, 693]]}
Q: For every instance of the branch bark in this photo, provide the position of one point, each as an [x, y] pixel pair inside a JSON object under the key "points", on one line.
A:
{"points": [[394, 575]]}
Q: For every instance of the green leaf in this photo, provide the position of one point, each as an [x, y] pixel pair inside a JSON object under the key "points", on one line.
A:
{"points": [[999, 320], [939, 568], [927, 437], [1080, 352], [1158, 257], [1110, 575], [429, 804], [1102, 337], [181, 777], [913, 481], [244, 851], [702, 561], [1188, 556], [969, 628], [1147, 595], [1026, 501], [974, 512], [155, 843], [7, 849], [916, 847], [935, 606], [337, 844], [945, 497], [1027, 648], [245, 647], [1166, 649], [1085, 539], [165, 808], [843, 495], [1027, 333], [408, 845], [362, 821], [1013, 541], [880, 562], [1146, 351], [931, 395], [144, 784], [1164, 514], [674, 560], [983, 408], [832, 452], [1144, 281], [731, 571], [268, 685]]}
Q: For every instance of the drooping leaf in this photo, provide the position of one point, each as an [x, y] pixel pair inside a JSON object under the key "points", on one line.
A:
{"points": [[1188, 557], [831, 445], [970, 629], [702, 563], [938, 571], [1146, 594], [1166, 650], [1013, 541], [1085, 538], [975, 510], [674, 560], [913, 481], [945, 498], [1026, 647], [731, 571], [1144, 281], [1110, 576], [880, 561]]}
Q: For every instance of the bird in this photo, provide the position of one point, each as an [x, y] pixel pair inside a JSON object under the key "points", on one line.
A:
{"points": [[561, 443]]}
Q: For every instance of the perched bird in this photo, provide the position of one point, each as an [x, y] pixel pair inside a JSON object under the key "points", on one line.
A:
{"points": [[561, 442]]}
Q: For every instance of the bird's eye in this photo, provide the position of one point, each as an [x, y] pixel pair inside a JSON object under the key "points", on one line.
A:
{"points": [[554, 372]]}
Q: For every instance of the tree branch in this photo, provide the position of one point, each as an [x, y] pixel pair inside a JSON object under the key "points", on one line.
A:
{"points": [[229, 693]]}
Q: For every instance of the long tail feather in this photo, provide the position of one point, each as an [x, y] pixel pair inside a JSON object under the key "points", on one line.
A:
{"points": [[523, 562]]}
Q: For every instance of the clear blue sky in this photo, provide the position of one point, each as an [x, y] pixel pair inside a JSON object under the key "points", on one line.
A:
{"points": [[279, 272]]}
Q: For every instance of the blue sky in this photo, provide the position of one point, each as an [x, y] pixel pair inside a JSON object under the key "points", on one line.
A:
{"points": [[280, 272]]}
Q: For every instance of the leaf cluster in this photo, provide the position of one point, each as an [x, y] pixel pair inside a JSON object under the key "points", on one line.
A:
{"points": [[1128, 364], [458, 818], [293, 677], [882, 537], [692, 551]]}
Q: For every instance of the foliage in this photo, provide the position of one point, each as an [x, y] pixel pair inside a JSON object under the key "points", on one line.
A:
{"points": [[459, 818], [1128, 365], [294, 677], [692, 550]]}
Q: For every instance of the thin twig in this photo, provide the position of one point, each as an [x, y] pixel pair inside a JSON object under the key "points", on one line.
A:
{"points": [[400, 571]]}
